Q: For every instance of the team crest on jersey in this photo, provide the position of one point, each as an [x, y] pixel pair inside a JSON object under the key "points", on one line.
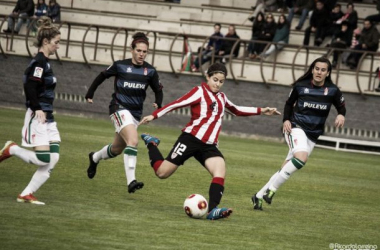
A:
{"points": [[38, 72], [326, 91], [306, 91], [129, 70], [145, 71], [341, 99], [174, 155]]}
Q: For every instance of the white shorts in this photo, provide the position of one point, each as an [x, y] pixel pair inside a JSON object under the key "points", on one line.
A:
{"points": [[298, 141], [36, 134], [123, 118]]}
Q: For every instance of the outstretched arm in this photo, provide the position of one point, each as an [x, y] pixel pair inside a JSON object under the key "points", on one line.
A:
{"points": [[270, 111]]}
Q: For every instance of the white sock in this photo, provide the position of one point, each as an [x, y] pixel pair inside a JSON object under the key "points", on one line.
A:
{"points": [[26, 155], [130, 160], [103, 154], [260, 194], [41, 175], [285, 173]]}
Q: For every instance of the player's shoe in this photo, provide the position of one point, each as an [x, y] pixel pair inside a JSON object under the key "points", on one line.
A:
{"points": [[268, 196], [134, 185], [150, 139], [219, 213], [4, 152], [91, 171], [257, 203], [30, 198]]}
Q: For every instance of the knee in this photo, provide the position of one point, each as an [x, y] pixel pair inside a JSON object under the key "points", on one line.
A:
{"points": [[162, 174], [133, 142]]}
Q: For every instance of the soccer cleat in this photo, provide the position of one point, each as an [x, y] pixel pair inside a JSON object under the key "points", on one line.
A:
{"points": [[268, 196], [91, 171], [257, 203], [150, 139], [219, 213], [4, 152], [134, 185], [29, 199]]}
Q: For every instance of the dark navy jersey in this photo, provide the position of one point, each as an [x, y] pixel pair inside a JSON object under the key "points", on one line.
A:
{"points": [[130, 85], [311, 106], [39, 84]]}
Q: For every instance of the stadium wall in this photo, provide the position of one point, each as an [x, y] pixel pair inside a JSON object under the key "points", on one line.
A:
{"points": [[75, 78]]}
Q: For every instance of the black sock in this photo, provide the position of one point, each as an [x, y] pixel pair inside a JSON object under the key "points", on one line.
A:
{"points": [[215, 193], [154, 154]]}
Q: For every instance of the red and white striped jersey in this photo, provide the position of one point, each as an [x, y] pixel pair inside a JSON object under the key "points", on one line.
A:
{"points": [[207, 110]]}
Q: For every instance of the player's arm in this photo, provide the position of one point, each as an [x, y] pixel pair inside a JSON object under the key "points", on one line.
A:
{"points": [[340, 106], [157, 89], [288, 111], [192, 97], [249, 111], [111, 71]]}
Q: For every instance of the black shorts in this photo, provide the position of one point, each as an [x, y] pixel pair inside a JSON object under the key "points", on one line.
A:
{"points": [[187, 146]]}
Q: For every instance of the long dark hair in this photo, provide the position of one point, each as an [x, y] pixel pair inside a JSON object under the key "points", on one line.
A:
{"points": [[309, 74]]}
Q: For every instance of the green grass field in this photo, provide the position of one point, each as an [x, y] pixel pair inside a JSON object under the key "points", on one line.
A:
{"points": [[334, 199]]}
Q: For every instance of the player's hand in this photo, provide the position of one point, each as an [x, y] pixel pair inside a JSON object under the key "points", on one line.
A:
{"points": [[40, 115], [287, 127], [339, 121], [155, 105], [146, 119], [270, 111], [89, 100]]}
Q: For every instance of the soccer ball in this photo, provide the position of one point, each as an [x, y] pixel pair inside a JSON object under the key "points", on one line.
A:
{"points": [[195, 206]]}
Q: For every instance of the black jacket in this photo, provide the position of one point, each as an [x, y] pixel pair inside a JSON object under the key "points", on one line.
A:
{"points": [[24, 6]]}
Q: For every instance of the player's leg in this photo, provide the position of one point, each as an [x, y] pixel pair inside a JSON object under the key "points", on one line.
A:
{"points": [[217, 168]]}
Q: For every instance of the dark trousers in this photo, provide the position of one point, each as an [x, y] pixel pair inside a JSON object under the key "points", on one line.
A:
{"points": [[374, 18], [319, 34], [354, 57]]}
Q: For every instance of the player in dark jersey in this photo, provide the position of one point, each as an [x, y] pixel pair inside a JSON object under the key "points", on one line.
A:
{"points": [[305, 114], [200, 136], [132, 78], [40, 130]]}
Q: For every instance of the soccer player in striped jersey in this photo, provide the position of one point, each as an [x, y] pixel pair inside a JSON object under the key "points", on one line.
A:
{"points": [[132, 78], [199, 139], [305, 114], [40, 130]]}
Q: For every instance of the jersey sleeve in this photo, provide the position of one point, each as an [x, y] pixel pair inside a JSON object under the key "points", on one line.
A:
{"points": [[34, 81], [241, 110], [288, 109], [339, 102], [156, 86], [110, 71], [190, 98]]}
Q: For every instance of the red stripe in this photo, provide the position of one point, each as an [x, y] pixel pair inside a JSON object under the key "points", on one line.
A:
{"points": [[218, 180], [211, 127], [115, 118], [157, 165]]}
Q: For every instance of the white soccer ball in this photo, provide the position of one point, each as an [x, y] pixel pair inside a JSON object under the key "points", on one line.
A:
{"points": [[195, 206]]}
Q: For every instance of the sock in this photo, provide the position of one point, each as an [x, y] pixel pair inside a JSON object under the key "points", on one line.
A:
{"points": [[260, 194], [43, 172], [130, 159], [39, 158], [103, 154], [215, 192], [155, 156], [292, 166]]}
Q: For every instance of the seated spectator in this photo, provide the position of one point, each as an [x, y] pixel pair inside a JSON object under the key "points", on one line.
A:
{"points": [[257, 28], [351, 16], [266, 35], [281, 36], [368, 41], [264, 5], [299, 7], [227, 45], [213, 46], [375, 18], [41, 10], [335, 15], [341, 40], [54, 11], [23, 11], [319, 21]]}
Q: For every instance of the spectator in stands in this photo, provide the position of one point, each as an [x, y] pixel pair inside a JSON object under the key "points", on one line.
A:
{"points": [[335, 15], [351, 16], [213, 46], [299, 7], [368, 41], [266, 35], [227, 45], [319, 21], [257, 28], [54, 11], [41, 10], [264, 5], [341, 40], [375, 18], [23, 11], [281, 36]]}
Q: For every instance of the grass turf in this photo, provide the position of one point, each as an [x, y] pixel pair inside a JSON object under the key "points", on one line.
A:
{"points": [[334, 199]]}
